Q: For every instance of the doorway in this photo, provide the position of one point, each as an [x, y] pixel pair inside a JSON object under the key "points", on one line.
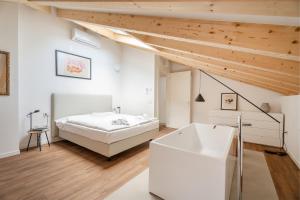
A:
{"points": [[178, 99]]}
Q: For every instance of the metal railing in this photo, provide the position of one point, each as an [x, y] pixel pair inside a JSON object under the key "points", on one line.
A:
{"points": [[240, 160]]}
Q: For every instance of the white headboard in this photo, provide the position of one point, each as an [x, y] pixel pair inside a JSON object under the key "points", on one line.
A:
{"points": [[63, 105]]}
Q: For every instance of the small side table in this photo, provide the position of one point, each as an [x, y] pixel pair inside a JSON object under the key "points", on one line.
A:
{"points": [[38, 133]]}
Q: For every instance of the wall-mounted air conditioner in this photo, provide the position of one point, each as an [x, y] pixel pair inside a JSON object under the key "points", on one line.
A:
{"points": [[85, 38]]}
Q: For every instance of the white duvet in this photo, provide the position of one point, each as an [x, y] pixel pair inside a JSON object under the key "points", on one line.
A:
{"points": [[104, 121]]}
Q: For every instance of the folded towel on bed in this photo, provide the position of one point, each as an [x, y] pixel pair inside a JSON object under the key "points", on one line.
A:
{"points": [[120, 122]]}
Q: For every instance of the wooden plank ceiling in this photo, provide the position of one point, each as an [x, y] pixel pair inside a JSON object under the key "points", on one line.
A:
{"points": [[192, 32]]}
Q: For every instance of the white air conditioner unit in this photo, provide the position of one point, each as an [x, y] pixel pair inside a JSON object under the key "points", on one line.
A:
{"points": [[86, 38]]}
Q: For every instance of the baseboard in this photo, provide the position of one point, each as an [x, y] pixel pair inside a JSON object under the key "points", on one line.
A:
{"points": [[57, 139], [294, 159], [23, 146], [8, 154]]}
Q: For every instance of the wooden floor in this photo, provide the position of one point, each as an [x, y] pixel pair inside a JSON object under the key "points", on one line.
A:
{"points": [[284, 172], [68, 171]]}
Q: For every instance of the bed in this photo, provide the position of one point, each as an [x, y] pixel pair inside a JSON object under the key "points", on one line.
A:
{"points": [[103, 139]]}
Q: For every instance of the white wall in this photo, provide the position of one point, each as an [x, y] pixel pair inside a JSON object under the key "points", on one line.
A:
{"points": [[162, 100], [40, 36], [9, 106], [162, 67], [137, 81], [291, 109], [211, 91], [32, 38]]}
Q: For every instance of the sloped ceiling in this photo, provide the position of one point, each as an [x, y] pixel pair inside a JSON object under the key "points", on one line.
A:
{"points": [[252, 41]]}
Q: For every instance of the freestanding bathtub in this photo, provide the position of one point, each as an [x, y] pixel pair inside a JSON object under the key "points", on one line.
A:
{"points": [[193, 163]]}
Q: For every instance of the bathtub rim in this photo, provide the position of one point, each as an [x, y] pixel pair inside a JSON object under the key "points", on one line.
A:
{"points": [[222, 157]]}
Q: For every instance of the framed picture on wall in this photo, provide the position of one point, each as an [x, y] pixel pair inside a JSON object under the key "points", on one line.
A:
{"points": [[229, 101], [71, 65], [4, 73]]}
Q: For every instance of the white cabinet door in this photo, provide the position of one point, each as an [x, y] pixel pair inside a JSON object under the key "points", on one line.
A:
{"points": [[178, 99]]}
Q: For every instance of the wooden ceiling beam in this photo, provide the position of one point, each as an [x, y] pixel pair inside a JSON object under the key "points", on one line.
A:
{"points": [[226, 74], [117, 1], [34, 5], [45, 9], [193, 62], [275, 65], [125, 39], [258, 75], [281, 79], [267, 39], [100, 30], [244, 7]]}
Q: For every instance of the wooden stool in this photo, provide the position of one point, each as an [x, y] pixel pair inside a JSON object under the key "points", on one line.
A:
{"points": [[38, 133]]}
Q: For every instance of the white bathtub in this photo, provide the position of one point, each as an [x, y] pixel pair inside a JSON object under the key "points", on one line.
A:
{"points": [[193, 163]]}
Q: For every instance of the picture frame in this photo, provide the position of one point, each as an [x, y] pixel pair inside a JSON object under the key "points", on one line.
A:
{"points": [[72, 65], [4, 73], [229, 101]]}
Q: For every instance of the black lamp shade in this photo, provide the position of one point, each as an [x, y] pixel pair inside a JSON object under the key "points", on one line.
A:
{"points": [[200, 98]]}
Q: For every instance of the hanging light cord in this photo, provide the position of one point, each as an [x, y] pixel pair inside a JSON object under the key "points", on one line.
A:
{"points": [[199, 81]]}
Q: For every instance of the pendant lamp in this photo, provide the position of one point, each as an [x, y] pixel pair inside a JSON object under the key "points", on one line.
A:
{"points": [[200, 97]]}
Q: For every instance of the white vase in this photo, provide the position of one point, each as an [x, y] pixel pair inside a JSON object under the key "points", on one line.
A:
{"points": [[265, 107]]}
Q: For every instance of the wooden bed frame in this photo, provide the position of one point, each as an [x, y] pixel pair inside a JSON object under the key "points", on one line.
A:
{"points": [[73, 104]]}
